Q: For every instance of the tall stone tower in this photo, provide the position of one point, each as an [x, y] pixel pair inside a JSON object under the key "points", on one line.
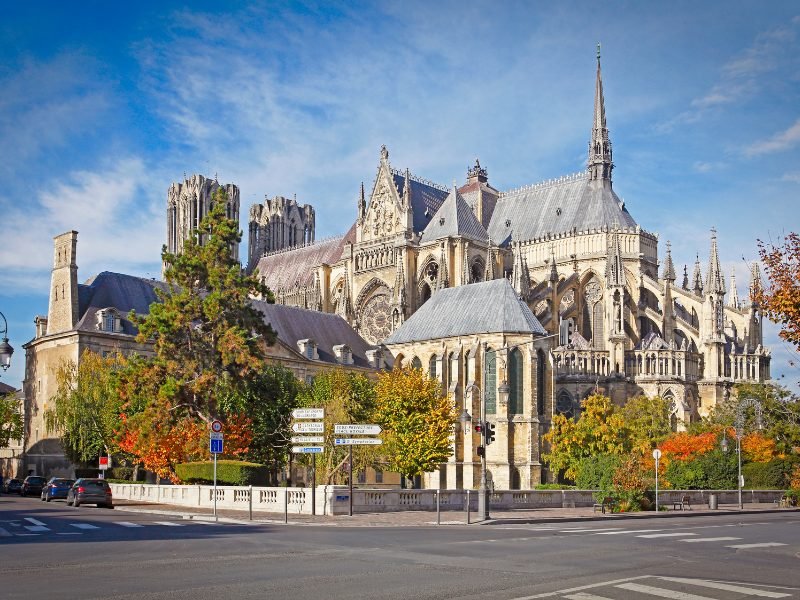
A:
{"points": [[189, 202], [63, 311], [277, 224]]}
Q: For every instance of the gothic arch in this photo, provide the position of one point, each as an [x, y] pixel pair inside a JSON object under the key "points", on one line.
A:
{"points": [[477, 269], [369, 290]]}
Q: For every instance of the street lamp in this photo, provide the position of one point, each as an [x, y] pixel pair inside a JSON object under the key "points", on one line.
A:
{"points": [[5, 348], [739, 432]]}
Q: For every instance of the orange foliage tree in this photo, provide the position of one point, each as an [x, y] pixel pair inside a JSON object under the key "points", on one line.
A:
{"points": [[780, 301], [686, 446], [756, 447]]}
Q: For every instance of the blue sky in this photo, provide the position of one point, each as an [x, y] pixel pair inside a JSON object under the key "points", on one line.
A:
{"points": [[103, 106]]}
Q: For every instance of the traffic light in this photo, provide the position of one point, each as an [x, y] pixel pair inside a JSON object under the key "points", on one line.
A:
{"points": [[479, 427], [489, 433], [481, 451]]}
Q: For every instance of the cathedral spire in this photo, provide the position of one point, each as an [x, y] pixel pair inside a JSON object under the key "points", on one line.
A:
{"points": [[715, 280], [685, 284], [489, 273], [407, 189], [362, 203], [734, 299], [553, 268], [442, 280], [400, 281], [520, 278], [467, 275], [756, 284], [697, 278], [669, 268], [615, 271], [600, 158]]}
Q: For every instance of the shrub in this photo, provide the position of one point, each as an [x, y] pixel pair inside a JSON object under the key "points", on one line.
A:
{"points": [[714, 470], [553, 486], [229, 472], [597, 472], [772, 475]]}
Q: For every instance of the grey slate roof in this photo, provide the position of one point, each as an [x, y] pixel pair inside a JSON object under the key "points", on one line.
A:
{"points": [[425, 199], [290, 268], [557, 206], [115, 290], [326, 329], [454, 218], [487, 307]]}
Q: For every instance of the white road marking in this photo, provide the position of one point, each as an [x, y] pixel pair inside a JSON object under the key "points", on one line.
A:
{"points": [[4, 533], [661, 592], [204, 522], [585, 596], [168, 523], [748, 591], [660, 535], [128, 524], [26, 534], [83, 526], [580, 588], [588, 530], [629, 531], [764, 545], [34, 521], [716, 539], [37, 528]]}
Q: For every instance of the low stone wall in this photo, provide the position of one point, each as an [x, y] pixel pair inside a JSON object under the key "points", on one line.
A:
{"points": [[335, 500]]}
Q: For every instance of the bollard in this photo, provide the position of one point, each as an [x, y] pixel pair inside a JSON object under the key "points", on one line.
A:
{"points": [[438, 510], [467, 507]]}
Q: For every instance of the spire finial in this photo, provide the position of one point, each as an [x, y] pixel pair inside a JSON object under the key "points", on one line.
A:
{"points": [[600, 157], [598, 51]]}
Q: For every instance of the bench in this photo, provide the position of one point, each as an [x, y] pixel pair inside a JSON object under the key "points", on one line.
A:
{"points": [[607, 503], [785, 502], [682, 504]]}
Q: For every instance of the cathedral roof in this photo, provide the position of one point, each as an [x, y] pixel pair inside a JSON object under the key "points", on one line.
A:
{"points": [[572, 203], [426, 198], [294, 267], [453, 219], [478, 308], [326, 329], [115, 290]]}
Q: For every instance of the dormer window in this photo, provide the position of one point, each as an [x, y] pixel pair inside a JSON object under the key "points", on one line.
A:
{"points": [[375, 358], [108, 320], [308, 348], [344, 356]]}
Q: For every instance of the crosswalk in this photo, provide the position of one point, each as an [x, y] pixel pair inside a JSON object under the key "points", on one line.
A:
{"points": [[30, 526], [672, 588]]}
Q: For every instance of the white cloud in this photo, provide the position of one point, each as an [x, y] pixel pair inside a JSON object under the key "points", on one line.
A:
{"points": [[793, 177], [706, 167], [785, 140]]}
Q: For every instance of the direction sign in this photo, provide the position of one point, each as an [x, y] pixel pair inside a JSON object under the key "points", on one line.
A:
{"points": [[313, 427], [307, 449], [216, 425], [308, 439], [357, 441], [657, 454], [357, 429], [216, 443], [308, 413]]}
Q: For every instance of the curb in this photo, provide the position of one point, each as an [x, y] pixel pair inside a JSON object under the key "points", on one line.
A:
{"points": [[632, 516]]}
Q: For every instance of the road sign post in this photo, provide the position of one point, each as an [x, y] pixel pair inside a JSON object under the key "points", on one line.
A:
{"points": [[656, 455], [216, 446]]}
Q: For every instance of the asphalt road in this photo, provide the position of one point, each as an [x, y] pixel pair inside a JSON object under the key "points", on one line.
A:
{"points": [[49, 550]]}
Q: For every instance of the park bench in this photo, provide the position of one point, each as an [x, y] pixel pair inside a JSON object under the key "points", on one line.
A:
{"points": [[785, 502], [607, 503], [682, 504]]}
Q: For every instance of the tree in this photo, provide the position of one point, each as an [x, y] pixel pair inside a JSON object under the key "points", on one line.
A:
{"points": [[417, 420], [684, 446], [11, 426], [648, 420], [780, 301], [85, 409], [346, 398], [600, 429]]}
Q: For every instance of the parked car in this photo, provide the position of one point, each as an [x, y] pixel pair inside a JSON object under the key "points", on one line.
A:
{"points": [[56, 489], [90, 491], [32, 486], [13, 486]]}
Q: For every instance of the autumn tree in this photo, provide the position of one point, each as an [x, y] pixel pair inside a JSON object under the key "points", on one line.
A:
{"points": [[600, 429], [417, 421], [85, 409], [11, 426], [346, 398], [780, 300], [648, 421]]}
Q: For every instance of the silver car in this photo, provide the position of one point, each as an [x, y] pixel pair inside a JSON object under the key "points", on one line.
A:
{"points": [[90, 491]]}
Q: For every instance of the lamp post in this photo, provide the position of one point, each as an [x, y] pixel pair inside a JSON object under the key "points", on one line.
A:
{"points": [[5, 348], [738, 428]]}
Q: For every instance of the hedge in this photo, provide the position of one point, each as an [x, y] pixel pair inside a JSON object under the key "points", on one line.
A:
{"points": [[597, 472], [772, 475], [229, 472]]}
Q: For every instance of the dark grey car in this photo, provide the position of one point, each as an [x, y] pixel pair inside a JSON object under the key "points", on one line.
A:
{"points": [[90, 491]]}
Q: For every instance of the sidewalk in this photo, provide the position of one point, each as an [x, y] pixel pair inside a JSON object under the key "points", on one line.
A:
{"points": [[426, 518]]}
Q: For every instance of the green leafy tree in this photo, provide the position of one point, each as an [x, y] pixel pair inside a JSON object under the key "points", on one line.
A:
{"points": [[600, 429], [647, 420], [85, 409], [11, 426], [417, 420], [346, 398], [597, 472]]}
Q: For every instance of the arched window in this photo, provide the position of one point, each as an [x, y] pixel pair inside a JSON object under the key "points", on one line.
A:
{"points": [[432, 367], [564, 405], [424, 293], [540, 382], [416, 363], [490, 385], [515, 382], [453, 368]]}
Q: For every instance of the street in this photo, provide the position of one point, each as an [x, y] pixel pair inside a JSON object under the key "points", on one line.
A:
{"points": [[49, 549]]}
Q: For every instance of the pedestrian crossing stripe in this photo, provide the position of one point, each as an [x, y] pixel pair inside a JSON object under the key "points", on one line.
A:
{"points": [[84, 526], [728, 587], [128, 524], [168, 523], [711, 539], [660, 592], [762, 545], [651, 536]]}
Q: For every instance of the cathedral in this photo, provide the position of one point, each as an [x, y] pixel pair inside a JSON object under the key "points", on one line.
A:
{"points": [[521, 302]]}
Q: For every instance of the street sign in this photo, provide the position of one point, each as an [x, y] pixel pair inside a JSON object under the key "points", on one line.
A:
{"points": [[216, 442], [357, 429], [308, 439], [313, 427], [216, 426], [105, 463], [308, 413], [357, 442], [657, 454], [307, 449]]}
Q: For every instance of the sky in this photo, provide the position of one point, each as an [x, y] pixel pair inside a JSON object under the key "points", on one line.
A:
{"points": [[105, 104]]}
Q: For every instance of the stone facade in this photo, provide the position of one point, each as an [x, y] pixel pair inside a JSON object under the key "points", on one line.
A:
{"points": [[277, 224]]}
